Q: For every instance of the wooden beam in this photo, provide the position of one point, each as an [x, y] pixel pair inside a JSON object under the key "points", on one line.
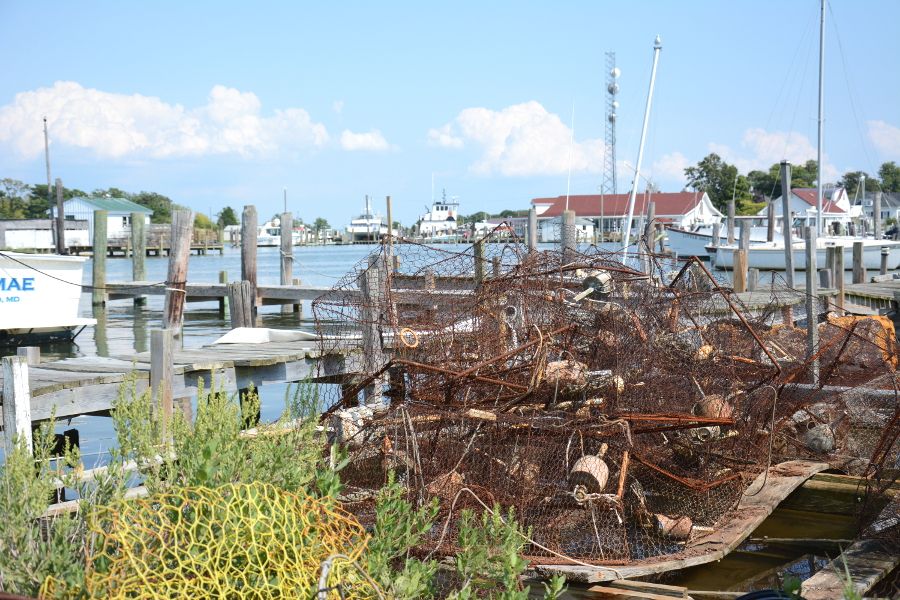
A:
{"points": [[16, 403], [249, 234], [287, 254], [867, 561], [176, 280], [98, 293], [138, 252]]}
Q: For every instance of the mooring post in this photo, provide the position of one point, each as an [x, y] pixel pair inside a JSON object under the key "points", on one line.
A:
{"points": [[650, 226], [223, 301], [176, 281], [812, 303], [825, 282], [859, 268], [717, 234], [287, 254], [60, 221], [138, 253], [370, 285], [249, 233], [240, 301], [752, 280], [885, 253], [532, 230], [830, 254], [161, 372], [32, 354], [98, 291], [16, 403], [478, 251], [770, 221], [730, 222], [298, 308], [495, 266], [876, 213], [839, 277], [567, 235], [786, 225], [739, 270]]}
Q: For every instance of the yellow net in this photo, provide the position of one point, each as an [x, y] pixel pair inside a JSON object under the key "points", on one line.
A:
{"points": [[235, 541]]}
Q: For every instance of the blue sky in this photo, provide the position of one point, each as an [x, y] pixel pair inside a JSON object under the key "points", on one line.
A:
{"points": [[225, 103]]}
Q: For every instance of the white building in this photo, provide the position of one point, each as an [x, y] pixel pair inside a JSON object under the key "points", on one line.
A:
{"points": [[37, 234], [835, 206], [550, 230], [118, 219], [679, 209]]}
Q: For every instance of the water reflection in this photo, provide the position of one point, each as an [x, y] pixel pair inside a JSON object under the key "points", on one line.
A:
{"points": [[101, 340]]}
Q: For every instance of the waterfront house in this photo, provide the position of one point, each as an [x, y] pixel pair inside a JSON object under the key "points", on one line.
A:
{"points": [[890, 206], [118, 224], [836, 206], [609, 211], [550, 230], [37, 234]]}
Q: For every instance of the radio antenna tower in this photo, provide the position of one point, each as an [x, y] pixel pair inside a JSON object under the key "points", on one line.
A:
{"points": [[612, 105]]}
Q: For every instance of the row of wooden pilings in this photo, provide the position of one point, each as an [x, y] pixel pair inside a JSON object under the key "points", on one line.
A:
{"points": [[242, 297]]}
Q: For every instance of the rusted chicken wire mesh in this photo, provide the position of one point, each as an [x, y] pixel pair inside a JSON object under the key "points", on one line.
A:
{"points": [[620, 413]]}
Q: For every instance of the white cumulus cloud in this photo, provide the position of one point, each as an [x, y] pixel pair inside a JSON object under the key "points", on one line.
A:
{"points": [[670, 167], [369, 140], [520, 140], [886, 138], [116, 125], [760, 149]]}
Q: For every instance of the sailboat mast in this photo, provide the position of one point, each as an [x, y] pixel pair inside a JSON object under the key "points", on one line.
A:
{"points": [[819, 191], [657, 46]]}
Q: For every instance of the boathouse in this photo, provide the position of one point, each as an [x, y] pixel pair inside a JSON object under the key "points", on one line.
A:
{"points": [[609, 211], [37, 234], [118, 214]]}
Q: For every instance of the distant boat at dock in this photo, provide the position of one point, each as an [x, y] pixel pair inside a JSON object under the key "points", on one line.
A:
{"points": [[769, 256], [367, 227]]}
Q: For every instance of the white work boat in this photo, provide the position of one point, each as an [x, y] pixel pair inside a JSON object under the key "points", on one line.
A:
{"points": [[697, 241], [770, 256], [39, 295]]}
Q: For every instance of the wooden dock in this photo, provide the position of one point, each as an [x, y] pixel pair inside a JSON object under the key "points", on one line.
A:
{"points": [[90, 385]]}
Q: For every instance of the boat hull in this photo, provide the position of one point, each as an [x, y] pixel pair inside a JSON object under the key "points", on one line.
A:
{"points": [[768, 258], [686, 244], [39, 296]]}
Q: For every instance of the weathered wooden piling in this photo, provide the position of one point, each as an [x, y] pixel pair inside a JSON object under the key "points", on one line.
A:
{"points": [[876, 213], [752, 280], [839, 277], [16, 402], [478, 251], [730, 222], [567, 235], [532, 229], [298, 308], [883, 267], [371, 283], [717, 233], [161, 373], [786, 226], [240, 304], [495, 266], [138, 253], [32, 354], [825, 281], [770, 221], [98, 279], [739, 270], [249, 234], [859, 268], [60, 221], [223, 301], [287, 254], [812, 303], [176, 280]]}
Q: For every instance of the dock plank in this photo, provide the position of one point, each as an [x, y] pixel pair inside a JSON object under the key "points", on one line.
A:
{"points": [[868, 561]]}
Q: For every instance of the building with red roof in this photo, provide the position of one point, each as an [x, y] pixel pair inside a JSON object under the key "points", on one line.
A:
{"points": [[835, 206]]}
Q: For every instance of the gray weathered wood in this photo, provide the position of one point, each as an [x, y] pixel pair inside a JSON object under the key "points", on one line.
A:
{"points": [[568, 237], [717, 233], [812, 302], [883, 267], [249, 234], [839, 277], [532, 229], [371, 286], [876, 213], [287, 253], [868, 562], [495, 266], [60, 221], [752, 280], [161, 374], [176, 280], [825, 279], [16, 403], [745, 236], [478, 251], [240, 301], [770, 221], [739, 262], [298, 307], [859, 268], [730, 222], [32, 354], [786, 225], [223, 301], [138, 252], [98, 293]]}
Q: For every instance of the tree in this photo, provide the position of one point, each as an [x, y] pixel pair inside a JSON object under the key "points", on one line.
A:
{"points": [[201, 221], [227, 217], [889, 173], [850, 182], [319, 224], [159, 204], [720, 180]]}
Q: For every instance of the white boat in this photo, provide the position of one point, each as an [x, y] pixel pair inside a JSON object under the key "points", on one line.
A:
{"points": [[770, 256], [39, 295], [441, 220], [367, 227], [269, 234], [686, 244]]}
